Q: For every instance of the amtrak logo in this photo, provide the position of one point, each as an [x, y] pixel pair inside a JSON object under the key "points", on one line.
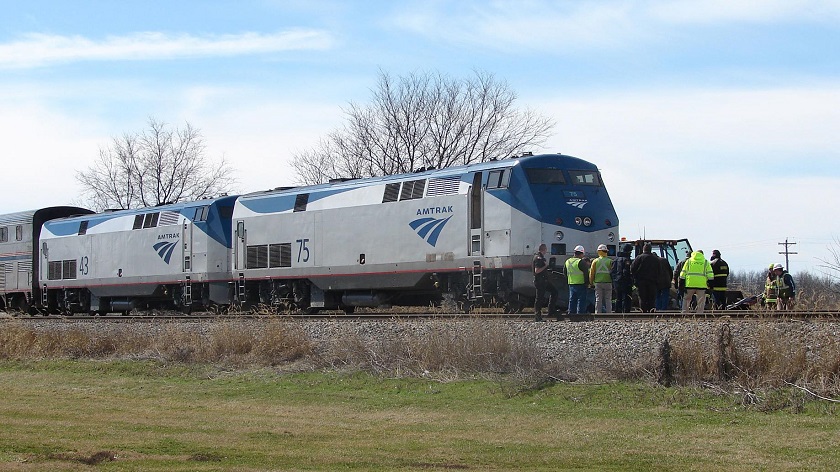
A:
{"points": [[429, 228], [578, 204], [165, 249]]}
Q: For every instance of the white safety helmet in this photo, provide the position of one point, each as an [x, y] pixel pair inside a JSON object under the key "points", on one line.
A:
{"points": [[579, 249], [602, 247], [777, 266]]}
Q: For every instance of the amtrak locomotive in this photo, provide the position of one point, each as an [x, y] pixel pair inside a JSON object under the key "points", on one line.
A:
{"points": [[461, 235]]}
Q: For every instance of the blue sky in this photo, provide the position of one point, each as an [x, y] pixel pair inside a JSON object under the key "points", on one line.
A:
{"points": [[716, 120]]}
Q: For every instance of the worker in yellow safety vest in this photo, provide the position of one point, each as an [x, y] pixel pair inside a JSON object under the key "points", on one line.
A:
{"points": [[576, 279], [601, 280], [779, 290], [697, 272]]}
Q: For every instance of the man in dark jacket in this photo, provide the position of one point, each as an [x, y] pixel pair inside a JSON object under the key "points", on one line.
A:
{"points": [[623, 280], [718, 284], [678, 282], [663, 287], [645, 270]]}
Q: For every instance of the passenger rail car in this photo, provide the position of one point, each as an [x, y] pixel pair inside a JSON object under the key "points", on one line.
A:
{"points": [[170, 256], [463, 233], [19, 252]]}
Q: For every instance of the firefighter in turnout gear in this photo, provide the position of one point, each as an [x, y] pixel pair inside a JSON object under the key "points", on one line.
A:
{"points": [[718, 284], [601, 280], [697, 272], [779, 291]]}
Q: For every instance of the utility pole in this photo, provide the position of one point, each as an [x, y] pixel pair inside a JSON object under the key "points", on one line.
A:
{"points": [[786, 252]]}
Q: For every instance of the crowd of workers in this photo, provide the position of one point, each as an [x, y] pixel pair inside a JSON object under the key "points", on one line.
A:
{"points": [[652, 277]]}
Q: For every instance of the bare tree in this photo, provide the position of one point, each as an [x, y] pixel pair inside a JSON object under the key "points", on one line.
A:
{"points": [[159, 165], [831, 267], [424, 121]]}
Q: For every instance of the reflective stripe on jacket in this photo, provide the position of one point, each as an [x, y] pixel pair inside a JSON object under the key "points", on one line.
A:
{"points": [[601, 269], [697, 271]]}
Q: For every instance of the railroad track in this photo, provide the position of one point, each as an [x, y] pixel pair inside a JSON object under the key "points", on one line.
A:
{"points": [[758, 315]]}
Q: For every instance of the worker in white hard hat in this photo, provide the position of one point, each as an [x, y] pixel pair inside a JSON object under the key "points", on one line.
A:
{"points": [[781, 290], [576, 277], [600, 278]]}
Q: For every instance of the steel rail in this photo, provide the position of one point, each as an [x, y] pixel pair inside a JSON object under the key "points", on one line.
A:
{"points": [[757, 315]]}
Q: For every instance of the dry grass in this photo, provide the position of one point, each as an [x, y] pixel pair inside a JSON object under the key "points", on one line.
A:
{"points": [[772, 356], [778, 359], [271, 343]]}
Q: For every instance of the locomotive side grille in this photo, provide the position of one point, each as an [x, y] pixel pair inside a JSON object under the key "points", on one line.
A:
{"points": [[412, 189], [392, 191], [68, 269], [443, 186], [300, 201], [2, 275], [419, 186], [257, 257], [280, 255], [54, 272], [24, 266], [168, 218]]}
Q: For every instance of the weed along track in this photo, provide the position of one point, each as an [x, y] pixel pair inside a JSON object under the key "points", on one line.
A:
{"points": [[762, 349], [384, 315]]}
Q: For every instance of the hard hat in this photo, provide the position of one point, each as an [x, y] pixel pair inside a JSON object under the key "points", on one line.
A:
{"points": [[579, 249], [778, 266], [602, 247]]}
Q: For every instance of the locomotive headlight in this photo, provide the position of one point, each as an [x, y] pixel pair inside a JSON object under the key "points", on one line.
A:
{"points": [[587, 221], [611, 237], [578, 221], [558, 235]]}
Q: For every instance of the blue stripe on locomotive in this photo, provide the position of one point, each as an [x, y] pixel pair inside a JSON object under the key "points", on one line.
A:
{"points": [[217, 225], [546, 203], [549, 202], [284, 202]]}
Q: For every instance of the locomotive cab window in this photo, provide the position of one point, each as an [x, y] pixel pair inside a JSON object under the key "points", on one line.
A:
{"points": [[498, 179], [585, 177], [545, 176], [83, 226]]}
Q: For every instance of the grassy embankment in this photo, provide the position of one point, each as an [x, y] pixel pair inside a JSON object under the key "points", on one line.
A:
{"points": [[149, 415]]}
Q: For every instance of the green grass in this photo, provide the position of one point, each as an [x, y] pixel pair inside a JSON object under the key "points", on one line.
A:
{"points": [[132, 415]]}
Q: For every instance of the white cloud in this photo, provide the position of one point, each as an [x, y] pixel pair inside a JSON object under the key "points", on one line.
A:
{"points": [[736, 170], [47, 149], [559, 27], [36, 50], [746, 11]]}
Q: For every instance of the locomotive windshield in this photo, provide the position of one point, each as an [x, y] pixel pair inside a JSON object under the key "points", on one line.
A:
{"points": [[545, 176], [585, 177]]}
